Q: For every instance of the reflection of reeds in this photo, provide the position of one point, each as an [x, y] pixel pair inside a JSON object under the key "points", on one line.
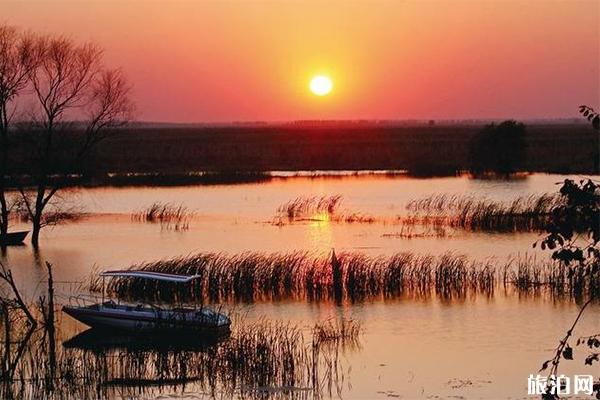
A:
{"points": [[259, 360], [303, 275], [467, 212], [168, 215], [408, 231]]}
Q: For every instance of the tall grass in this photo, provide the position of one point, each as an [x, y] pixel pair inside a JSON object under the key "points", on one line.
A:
{"points": [[308, 207], [528, 275], [318, 208], [260, 360], [253, 276], [522, 214], [336, 331], [303, 275], [529, 213], [169, 216]]}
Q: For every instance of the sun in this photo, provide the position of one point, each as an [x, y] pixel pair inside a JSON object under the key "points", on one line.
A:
{"points": [[321, 85]]}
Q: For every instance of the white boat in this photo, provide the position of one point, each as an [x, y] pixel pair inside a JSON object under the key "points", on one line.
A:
{"points": [[108, 314]]}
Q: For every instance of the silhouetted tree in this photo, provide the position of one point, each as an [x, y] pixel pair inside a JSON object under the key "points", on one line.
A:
{"points": [[591, 115], [19, 55], [78, 102], [594, 118], [573, 236], [498, 149]]}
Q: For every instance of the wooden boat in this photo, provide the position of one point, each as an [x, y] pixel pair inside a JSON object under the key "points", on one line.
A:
{"points": [[144, 318], [13, 238]]}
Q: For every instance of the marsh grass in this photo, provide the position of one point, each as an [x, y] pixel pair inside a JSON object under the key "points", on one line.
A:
{"points": [[252, 276], [337, 331], [318, 208], [440, 211], [302, 208], [260, 359], [169, 216], [529, 213], [528, 275], [256, 276]]}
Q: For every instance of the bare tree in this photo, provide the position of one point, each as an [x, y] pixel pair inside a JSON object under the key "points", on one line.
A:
{"points": [[19, 55], [79, 102]]}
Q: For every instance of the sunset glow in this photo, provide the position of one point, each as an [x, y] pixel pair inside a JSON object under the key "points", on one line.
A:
{"points": [[245, 60], [253, 60]]}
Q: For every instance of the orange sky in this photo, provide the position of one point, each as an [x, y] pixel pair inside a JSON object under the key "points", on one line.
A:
{"points": [[194, 61]]}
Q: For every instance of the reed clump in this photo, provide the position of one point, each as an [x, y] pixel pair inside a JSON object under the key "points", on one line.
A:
{"points": [[302, 275], [528, 275], [254, 276], [337, 331], [528, 213], [319, 208], [302, 208], [168, 215], [260, 360]]}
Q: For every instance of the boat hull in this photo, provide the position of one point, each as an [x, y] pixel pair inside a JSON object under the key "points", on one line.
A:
{"points": [[144, 321], [13, 238]]}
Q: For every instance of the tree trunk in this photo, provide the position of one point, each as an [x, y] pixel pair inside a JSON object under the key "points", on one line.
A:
{"points": [[3, 173], [35, 233], [37, 216], [3, 211]]}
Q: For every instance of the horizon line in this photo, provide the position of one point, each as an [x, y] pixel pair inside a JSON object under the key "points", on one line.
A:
{"points": [[358, 121]]}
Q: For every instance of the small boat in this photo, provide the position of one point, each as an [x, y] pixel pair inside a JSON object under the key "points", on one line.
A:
{"points": [[13, 238], [144, 318]]}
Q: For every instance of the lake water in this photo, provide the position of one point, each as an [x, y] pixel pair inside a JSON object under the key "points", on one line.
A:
{"points": [[477, 347]]}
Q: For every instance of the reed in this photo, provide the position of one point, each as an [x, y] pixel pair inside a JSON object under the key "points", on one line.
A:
{"points": [[336, 331], [310, 207], [528, 275], [315, 208], [529, 213], [260, 360], [256, 276], [302, 275], [169, 216]]}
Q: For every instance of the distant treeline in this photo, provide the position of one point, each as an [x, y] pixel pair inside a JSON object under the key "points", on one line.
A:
{"points": [[421, 150]]}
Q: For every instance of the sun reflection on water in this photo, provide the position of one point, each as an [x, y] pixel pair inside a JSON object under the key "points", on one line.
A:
{"points": [[320, 234]]}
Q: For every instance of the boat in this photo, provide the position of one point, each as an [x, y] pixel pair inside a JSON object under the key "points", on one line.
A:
{"points": [[13, 238], [109, 315]]}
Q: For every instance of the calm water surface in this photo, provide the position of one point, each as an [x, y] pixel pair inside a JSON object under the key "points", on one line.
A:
{"points": [[473, 348]]}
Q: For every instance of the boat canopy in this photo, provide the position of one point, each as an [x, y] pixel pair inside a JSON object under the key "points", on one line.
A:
{"points": [[159, 276]]}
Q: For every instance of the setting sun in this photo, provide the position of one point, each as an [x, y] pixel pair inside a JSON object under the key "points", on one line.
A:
{"points": [[321, 85]]}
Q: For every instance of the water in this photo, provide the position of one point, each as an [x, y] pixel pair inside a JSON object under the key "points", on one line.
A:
{"points": [[475, 348]]}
